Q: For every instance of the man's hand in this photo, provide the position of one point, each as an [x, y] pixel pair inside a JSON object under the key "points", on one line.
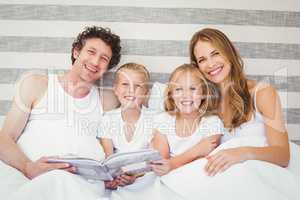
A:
{"points": [[34, 169]]}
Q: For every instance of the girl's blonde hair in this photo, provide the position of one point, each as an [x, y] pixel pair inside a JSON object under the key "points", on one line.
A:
{"points": [[210, 92], [241, 103], [136, 68]]}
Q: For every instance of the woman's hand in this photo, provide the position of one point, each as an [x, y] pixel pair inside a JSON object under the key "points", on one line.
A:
{"points": [[223, 159], [125, 179], [161, 167]]}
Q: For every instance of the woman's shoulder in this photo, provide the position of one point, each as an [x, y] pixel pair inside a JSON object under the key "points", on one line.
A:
{"points": [[264, 94], [255, 87]]}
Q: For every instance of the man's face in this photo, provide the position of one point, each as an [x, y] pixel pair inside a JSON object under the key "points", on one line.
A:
{"points": [[92, 60]]}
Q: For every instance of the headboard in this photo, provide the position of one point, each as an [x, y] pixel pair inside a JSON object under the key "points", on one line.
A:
{"points": [[38, 34]]}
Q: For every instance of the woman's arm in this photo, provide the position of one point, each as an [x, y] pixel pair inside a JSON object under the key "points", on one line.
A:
{"points": [[277, 151]]}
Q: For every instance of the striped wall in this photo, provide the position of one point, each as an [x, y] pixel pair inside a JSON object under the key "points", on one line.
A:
{"points": [[38, 34]]}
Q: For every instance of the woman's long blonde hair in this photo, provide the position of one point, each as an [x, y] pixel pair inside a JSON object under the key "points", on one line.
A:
{"points": [[209, 104], [241, 103]]}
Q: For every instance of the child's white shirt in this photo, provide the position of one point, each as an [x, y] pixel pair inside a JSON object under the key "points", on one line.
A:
{"points": [[165, 124], [112, 127]]}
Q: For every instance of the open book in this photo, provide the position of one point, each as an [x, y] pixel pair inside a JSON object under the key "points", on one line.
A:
{"points": [[134, 162]]}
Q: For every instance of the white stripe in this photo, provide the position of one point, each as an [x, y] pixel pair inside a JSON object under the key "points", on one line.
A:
{"points": [[162, 64], [293, 131], [145, 31], [34, 60], [288, 99], [290, 5], [7, 91], [277, 67]]}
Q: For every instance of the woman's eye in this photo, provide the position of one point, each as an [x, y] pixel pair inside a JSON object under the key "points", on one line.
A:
{"points": [[178, 89], [193, 88], [125, 84]]}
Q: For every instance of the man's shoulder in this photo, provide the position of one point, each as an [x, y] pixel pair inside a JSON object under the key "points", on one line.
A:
{"points": [[32, 86], [34, 80]]}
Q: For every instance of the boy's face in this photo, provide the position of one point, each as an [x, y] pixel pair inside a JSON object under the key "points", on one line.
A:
{"points": [[92, 60], [130, 88]]}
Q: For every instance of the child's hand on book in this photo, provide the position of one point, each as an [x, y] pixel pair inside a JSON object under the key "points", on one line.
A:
{"points": [[112, 185], [161, 167], [125, 179]]}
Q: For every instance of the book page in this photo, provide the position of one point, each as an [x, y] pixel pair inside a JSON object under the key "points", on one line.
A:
{"points": [[115, 162], [85, 167]]}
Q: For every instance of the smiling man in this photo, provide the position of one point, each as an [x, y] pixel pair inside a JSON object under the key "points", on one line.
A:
{"points": [[56, 115]]}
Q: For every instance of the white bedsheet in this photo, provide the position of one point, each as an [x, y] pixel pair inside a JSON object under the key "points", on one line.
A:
{"points": [[248, 180]]}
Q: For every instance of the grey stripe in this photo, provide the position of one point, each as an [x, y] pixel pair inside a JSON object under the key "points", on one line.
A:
{"points": [[286, 84], [4, 107], [147, 47], [296, 141], [292, 115], [150, 15]]}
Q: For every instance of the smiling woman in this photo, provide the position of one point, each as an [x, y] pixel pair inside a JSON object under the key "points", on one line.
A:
{"points": [[252, 113]]}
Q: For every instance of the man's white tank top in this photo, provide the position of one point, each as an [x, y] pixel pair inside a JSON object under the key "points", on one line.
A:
{"points": [[61, 124]]}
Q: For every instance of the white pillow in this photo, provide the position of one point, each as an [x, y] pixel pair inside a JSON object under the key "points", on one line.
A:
{"points": [[156, 98]]}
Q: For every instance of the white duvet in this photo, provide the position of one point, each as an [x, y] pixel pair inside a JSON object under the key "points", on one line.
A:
{"points": [[248, 180]]}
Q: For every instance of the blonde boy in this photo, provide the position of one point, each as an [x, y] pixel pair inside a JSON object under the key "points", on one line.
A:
{"points": [[128, 127]]}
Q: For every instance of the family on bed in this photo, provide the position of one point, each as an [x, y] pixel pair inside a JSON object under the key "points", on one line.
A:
{"points": [[220, 135]]}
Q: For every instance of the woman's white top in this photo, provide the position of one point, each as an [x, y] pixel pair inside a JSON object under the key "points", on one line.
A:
{"points": [[112, 127], [165, 124], [254, 128], [61, 124]]}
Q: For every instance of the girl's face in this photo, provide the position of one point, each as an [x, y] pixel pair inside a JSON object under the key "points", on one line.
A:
{"points": [[130, 88], [187, 93], [213, 65]]}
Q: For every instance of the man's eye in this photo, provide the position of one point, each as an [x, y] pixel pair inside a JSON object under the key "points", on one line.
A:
{"points": [[105, 59]]}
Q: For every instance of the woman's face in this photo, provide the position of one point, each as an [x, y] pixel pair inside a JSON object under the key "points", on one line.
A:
{"points": [[213, 65]]}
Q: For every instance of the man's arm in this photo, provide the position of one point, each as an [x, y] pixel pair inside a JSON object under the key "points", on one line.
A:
{"points": [[30, 89]]}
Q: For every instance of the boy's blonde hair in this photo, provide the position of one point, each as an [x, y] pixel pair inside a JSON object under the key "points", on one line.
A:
{"points": [[209, 104], [134, 67]]}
